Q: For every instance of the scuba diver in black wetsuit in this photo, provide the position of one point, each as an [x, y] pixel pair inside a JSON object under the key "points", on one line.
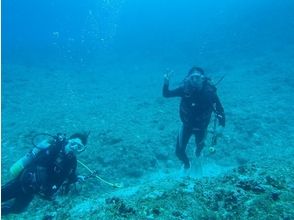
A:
{"points": [[51, 165], [198, 100]]}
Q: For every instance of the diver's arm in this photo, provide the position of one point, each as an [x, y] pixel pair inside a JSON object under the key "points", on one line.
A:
{"points": [[167, 93], [72, 177], [219, 110], [178, 92]]}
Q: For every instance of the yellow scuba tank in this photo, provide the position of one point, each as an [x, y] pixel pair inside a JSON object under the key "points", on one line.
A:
{"points": [[23, 162]]}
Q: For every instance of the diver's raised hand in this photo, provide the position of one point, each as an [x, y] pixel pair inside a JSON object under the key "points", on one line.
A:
{"points": [[166, 77]]}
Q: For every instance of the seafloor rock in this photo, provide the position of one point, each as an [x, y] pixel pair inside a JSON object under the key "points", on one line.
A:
{"points": [[118, 207], [250, 185], [248, 192]]}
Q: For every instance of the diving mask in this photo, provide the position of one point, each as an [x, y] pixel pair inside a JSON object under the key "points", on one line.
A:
{"points": [[75, 145], [196, 80]]}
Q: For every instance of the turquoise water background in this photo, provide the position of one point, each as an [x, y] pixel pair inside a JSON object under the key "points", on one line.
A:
{"points": [[78, 32], [98, 66]]}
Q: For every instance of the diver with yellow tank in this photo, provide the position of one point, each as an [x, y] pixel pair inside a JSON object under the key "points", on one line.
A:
{"points": [[50, 165]]}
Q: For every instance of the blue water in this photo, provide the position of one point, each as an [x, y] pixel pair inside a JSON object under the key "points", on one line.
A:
{"points": [[92, 65], [34, 31]]}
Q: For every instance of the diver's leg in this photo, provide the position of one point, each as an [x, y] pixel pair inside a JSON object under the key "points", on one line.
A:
{"points": [[11, 190], [18, 205], [17, 194], [200, 136], [182, 141], [14, 190], [6, 207], [22, 202]]}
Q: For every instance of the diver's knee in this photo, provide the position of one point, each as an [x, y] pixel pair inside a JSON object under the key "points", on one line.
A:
{"points": [[5, 209], [198, 150]]}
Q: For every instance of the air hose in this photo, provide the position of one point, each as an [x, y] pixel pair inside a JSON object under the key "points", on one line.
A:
{"points": [[116, 185]]}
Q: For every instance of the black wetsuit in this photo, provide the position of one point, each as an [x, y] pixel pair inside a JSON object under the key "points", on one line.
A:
{"points": [[196, 108], [45, 175]]}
